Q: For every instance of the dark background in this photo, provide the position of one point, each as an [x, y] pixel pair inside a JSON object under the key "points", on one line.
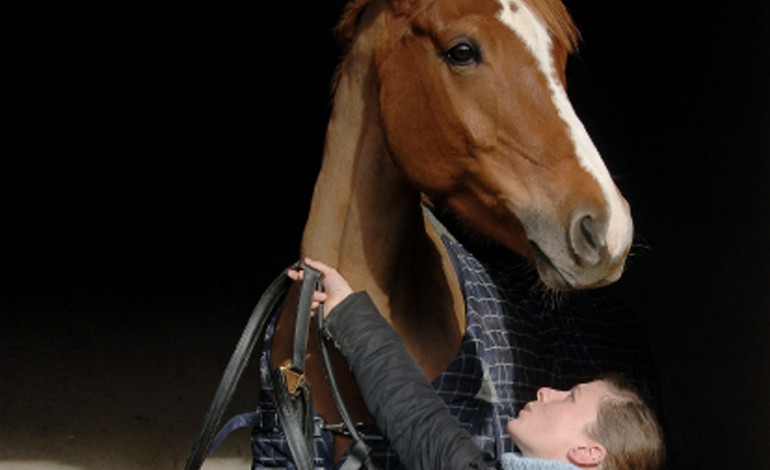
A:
{"points": [[167, 159]]}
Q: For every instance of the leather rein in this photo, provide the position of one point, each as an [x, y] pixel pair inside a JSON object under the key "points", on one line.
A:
{"points": [[292, 392]]}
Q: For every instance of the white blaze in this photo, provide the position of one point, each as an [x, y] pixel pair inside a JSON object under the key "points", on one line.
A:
{"points": [[517, 16]]}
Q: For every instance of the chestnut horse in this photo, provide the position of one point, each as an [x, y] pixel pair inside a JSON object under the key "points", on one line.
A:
{"points": [[460, 103]]}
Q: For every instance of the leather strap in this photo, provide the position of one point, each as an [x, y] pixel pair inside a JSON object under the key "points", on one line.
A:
{"points": [[295, 413], [360, 453], [310, 282], [292, 393], [238, 361]]}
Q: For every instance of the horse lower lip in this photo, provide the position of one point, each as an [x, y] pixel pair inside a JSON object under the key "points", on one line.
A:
{"points": [[557, 279]]}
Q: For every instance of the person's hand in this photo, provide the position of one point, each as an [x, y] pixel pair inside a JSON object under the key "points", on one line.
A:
{"points": [[336, 287], [296, 274]]}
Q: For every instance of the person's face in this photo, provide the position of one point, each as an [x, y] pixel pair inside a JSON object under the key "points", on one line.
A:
{"points": [[554, 426]]}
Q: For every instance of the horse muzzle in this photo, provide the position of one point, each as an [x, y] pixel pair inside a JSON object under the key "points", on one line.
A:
{"points": [[591, 254]]}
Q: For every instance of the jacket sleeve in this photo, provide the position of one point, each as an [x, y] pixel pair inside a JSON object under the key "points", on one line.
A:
{"points": [[397, 393]]}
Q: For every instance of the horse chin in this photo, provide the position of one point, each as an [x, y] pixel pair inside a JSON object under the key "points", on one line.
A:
{"points": [[549, 274], [561, 280]]}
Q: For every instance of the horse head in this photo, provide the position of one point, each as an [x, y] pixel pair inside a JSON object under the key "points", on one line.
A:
{"points": [[476, 116]]}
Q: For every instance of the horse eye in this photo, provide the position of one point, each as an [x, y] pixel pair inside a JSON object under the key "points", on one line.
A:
{"points": [[462, 54]]}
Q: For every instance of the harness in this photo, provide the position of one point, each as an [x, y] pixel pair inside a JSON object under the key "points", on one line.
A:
{"points": [[292, 404]]}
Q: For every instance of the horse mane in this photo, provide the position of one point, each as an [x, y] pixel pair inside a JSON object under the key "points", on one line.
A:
{"points": [[346, 26]]}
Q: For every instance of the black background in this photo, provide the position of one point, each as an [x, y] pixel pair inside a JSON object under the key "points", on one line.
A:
{"points": [[156, 156]]}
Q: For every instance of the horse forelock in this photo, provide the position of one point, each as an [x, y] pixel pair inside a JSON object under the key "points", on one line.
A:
{"points": [[557, 21]]}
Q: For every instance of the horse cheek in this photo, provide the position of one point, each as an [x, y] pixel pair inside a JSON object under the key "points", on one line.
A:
{"points": [[414, 136]]}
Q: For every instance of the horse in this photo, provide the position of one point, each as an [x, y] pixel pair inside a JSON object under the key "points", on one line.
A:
{"points": [[459, 105]]}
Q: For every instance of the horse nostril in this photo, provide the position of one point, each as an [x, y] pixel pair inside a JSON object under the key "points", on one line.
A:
{"points": [[587, 239], [589, 233]]}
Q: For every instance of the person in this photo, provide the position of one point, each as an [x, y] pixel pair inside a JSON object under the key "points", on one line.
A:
{"points": [[601, 425]]}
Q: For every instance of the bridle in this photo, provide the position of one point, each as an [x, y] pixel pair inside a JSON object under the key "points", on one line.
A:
{"points": [[293, 394]]}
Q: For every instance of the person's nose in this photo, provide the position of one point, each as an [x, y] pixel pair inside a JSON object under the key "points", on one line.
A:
{"points": [[544, 394]]}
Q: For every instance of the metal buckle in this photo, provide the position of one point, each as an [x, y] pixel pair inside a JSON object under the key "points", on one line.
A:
{"points": [[294, 380]]}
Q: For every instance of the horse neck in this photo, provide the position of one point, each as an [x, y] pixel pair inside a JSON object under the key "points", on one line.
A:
{"points": [[367, 221], [362, 210]]}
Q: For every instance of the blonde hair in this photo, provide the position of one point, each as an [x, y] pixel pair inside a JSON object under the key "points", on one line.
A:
{"points": [[627, 428]]}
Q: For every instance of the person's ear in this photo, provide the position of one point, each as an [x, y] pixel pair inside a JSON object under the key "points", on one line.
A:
{"points": [[587, 456]]}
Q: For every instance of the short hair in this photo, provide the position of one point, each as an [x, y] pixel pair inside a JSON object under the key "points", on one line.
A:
{"points": [[627, 428]]}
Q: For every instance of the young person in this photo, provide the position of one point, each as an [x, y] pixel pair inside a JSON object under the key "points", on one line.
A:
{"points": [[601, 425]]}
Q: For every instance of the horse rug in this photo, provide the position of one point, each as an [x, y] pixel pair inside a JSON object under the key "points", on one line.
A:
{"points": [[517, 339]]}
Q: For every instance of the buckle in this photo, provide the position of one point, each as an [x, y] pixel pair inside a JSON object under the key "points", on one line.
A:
{"points": [[293, 379]]}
